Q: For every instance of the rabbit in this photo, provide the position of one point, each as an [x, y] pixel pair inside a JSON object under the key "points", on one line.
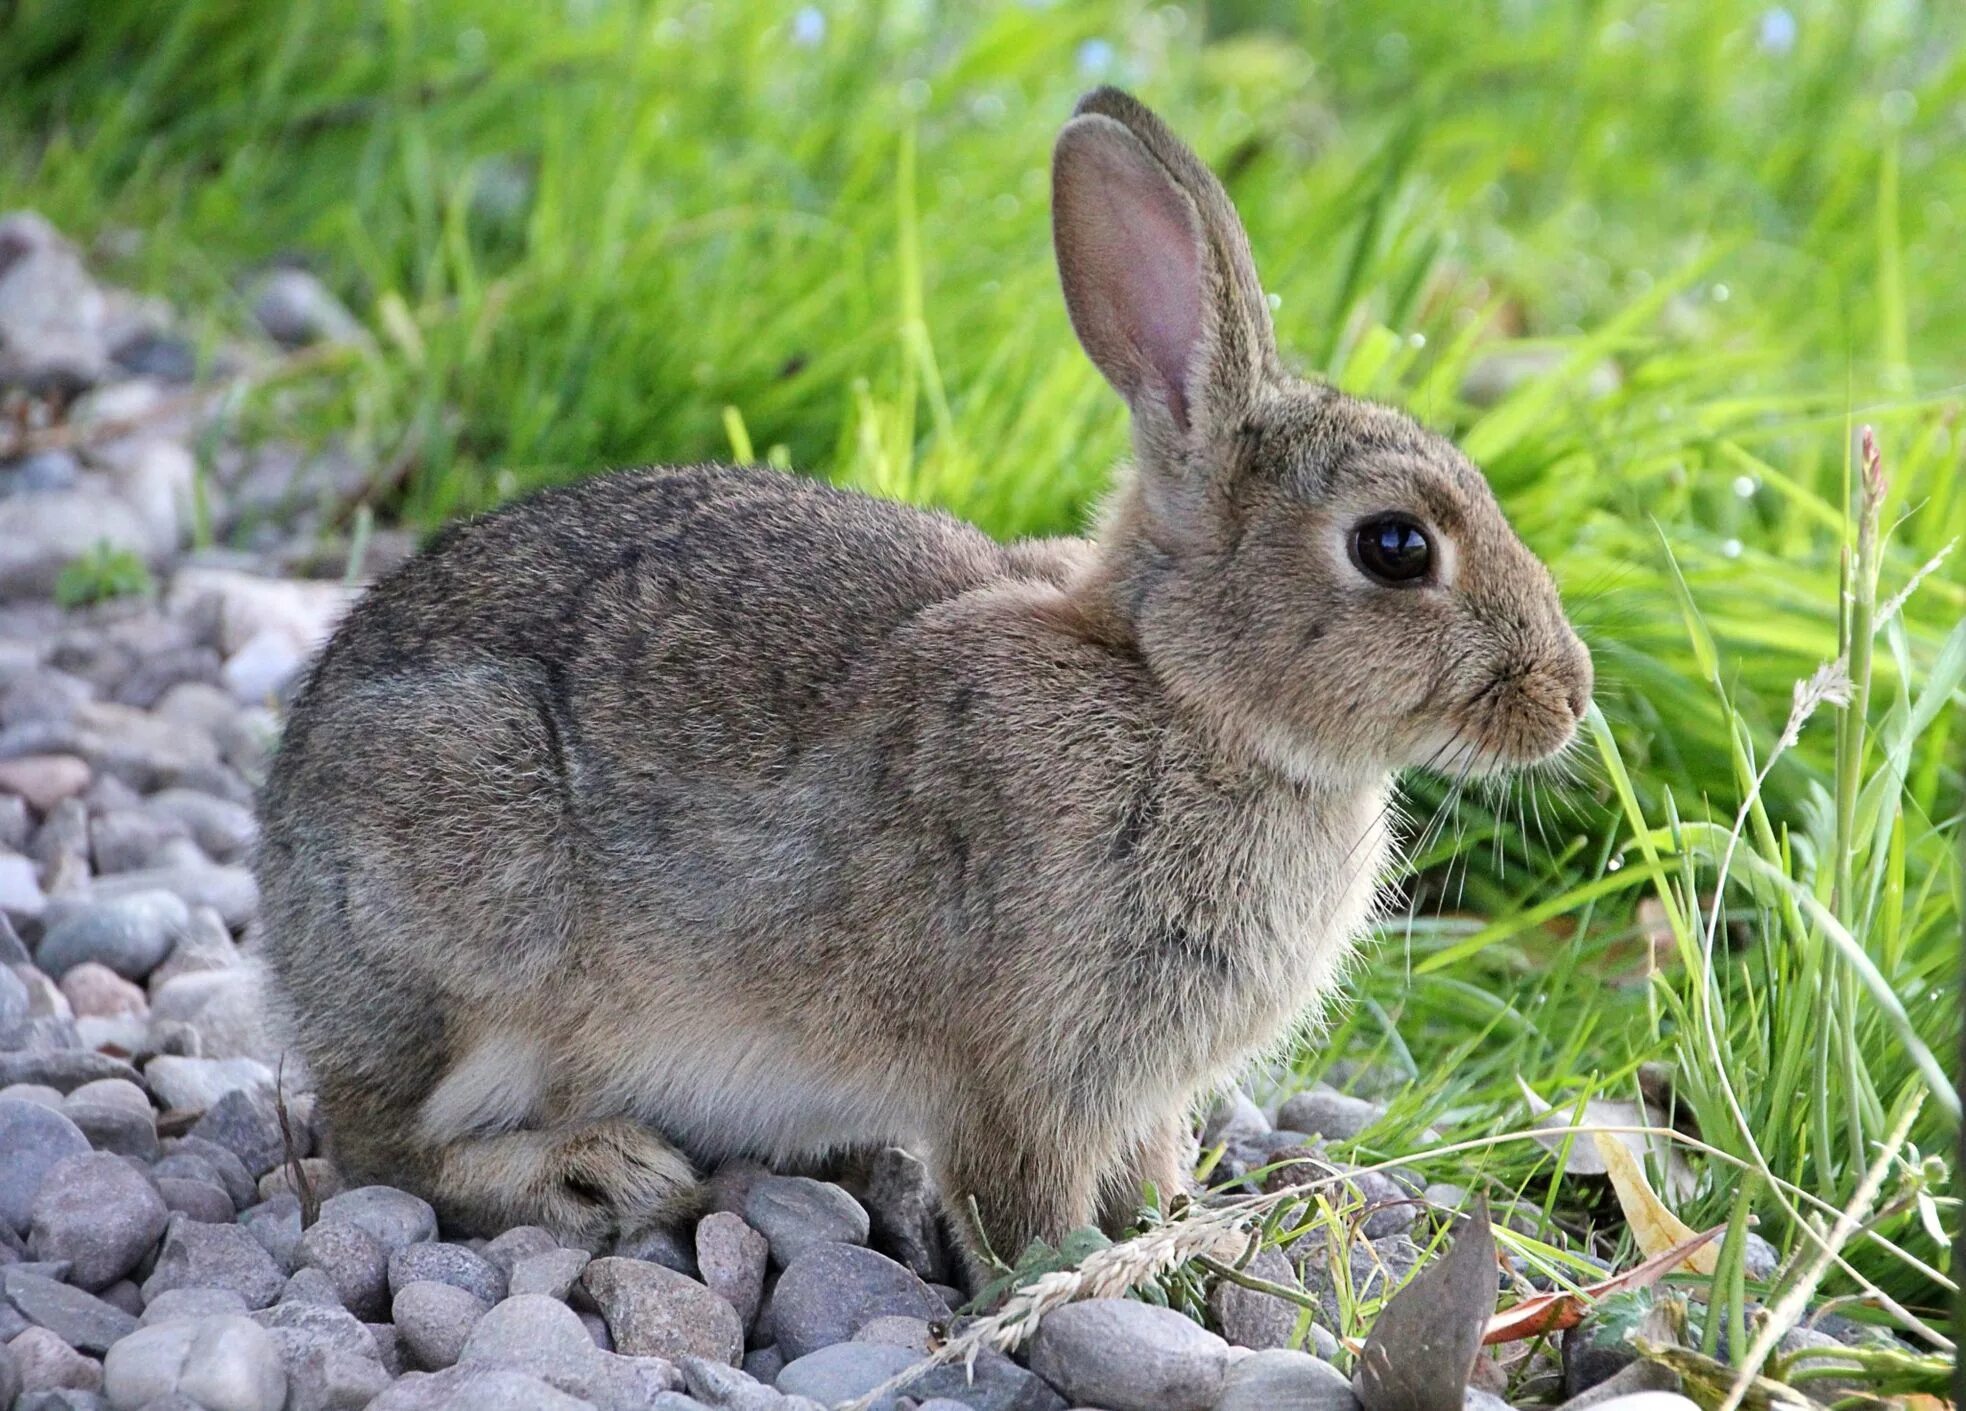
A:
{"points": [[685, 814]]}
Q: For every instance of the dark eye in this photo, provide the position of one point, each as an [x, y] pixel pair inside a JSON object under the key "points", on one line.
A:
{"points": [[1392, 549]]}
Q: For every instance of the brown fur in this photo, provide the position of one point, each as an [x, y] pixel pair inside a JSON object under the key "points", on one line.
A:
{"points": [[717, 811]]}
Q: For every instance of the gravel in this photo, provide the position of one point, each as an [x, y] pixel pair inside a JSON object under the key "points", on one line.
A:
{"points": [[795, 1213], [833, 1290], [1128, 1356], [98, 1213]]}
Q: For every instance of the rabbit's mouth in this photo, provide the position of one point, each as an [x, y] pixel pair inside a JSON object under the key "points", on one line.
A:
{"points": [[1516, 721]]}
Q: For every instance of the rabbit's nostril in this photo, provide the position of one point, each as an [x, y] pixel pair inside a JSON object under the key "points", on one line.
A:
{"points": [[1580, 699]]}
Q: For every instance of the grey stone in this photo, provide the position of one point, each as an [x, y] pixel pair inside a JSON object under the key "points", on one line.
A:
{"points": [[795, 1213], [222, 1363], [215, 1256], [355, 1262], [464, 1388], [1640, 1376], [1278, 1377], [1476, 1399], [904, 1213], [10, 1377], [328, 1379], [190, 1303], [845, 1370], [1324, 1112], [323, 1325], [388, 1347], [1376, 1268], [551, 1273], [202, 1201], [14, 1001], [123, 840], [219, 1164], [114, 1127], [33, 1139], [1251, 1318], [539, 1334], [46, 1363], [71, 1400], [79, 1319], [1234, 1119], [225, 1003], [833, 1290], [245, 1123], [597, 1329], [123, 1294], [228, 890], [458, 1266], [623, 1383], [21, 897], [129, 935], [733, 1258], [1128, 1356], [275, 1224], [393, 1218], [196, 1084], [96, 1212], [515, 1244], [223, 830], [311, 1286], [435, 1321], [64, 1071], [296, 309], [654, 1311], [672, 1249], [763, 1363]]}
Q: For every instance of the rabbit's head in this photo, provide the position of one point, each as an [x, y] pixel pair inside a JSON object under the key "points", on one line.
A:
{"points": [[1323, 576]]}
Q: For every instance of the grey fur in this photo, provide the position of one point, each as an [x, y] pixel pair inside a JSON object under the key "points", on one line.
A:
{"points": [[712, 811]]}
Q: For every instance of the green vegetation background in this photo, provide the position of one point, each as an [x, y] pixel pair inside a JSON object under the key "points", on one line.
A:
{"points": [[1651, 262]]}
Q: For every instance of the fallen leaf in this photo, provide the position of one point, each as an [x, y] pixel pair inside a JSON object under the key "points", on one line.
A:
{"points": [[1422, 1347], [1603, 1112], [1565, 1308], [1657, 1229]]}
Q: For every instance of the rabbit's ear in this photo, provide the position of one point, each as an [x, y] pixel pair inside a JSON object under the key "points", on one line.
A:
{"points": [[1156, 269]]}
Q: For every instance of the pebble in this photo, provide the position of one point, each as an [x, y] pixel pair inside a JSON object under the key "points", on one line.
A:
{"points": [[732, 1257], [1251, 1318], [226, 1005], [230, 891], [246, 1123], [198, 1200], [1127, 1356], [215, 1163], [99, 1214], [1277, 1377], [196, 1084], [21, 897], [190, 1303], [34, 1138], [214, 1256], [128, 935], [435, 1321], [795, 1213], [296, 309], [654, 1311], [477, 1389], [461, 1268], [46, 1363], [225, 1362], [42, 781], [62, 1070], [539, 1334], [391, 1217], [515, 1244], [353, 1260], [79, 1319], [833, 1290], [1325, 1112], [845, 1370], [551, 1273], [93, 989]]}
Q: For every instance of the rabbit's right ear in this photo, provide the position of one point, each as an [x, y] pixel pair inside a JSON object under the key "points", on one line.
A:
{"points": [[1156, 271]]}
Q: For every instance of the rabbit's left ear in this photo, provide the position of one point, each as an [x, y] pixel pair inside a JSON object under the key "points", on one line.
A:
{"points": [[1156, 271]]}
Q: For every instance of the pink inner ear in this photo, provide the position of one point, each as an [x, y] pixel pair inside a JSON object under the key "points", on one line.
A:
{"points": [[1129, 251]]}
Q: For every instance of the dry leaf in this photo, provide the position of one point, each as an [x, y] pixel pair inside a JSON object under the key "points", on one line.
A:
{"points": [[1565, 1308], [1680, 1180], [1423, 1344], [1657, 1229]]}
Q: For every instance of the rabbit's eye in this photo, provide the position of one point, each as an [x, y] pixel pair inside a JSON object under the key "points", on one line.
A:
{"points": [[1392, 549]]}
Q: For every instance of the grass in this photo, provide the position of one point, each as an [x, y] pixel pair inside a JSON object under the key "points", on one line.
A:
{"points": [[1652, 265]]}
